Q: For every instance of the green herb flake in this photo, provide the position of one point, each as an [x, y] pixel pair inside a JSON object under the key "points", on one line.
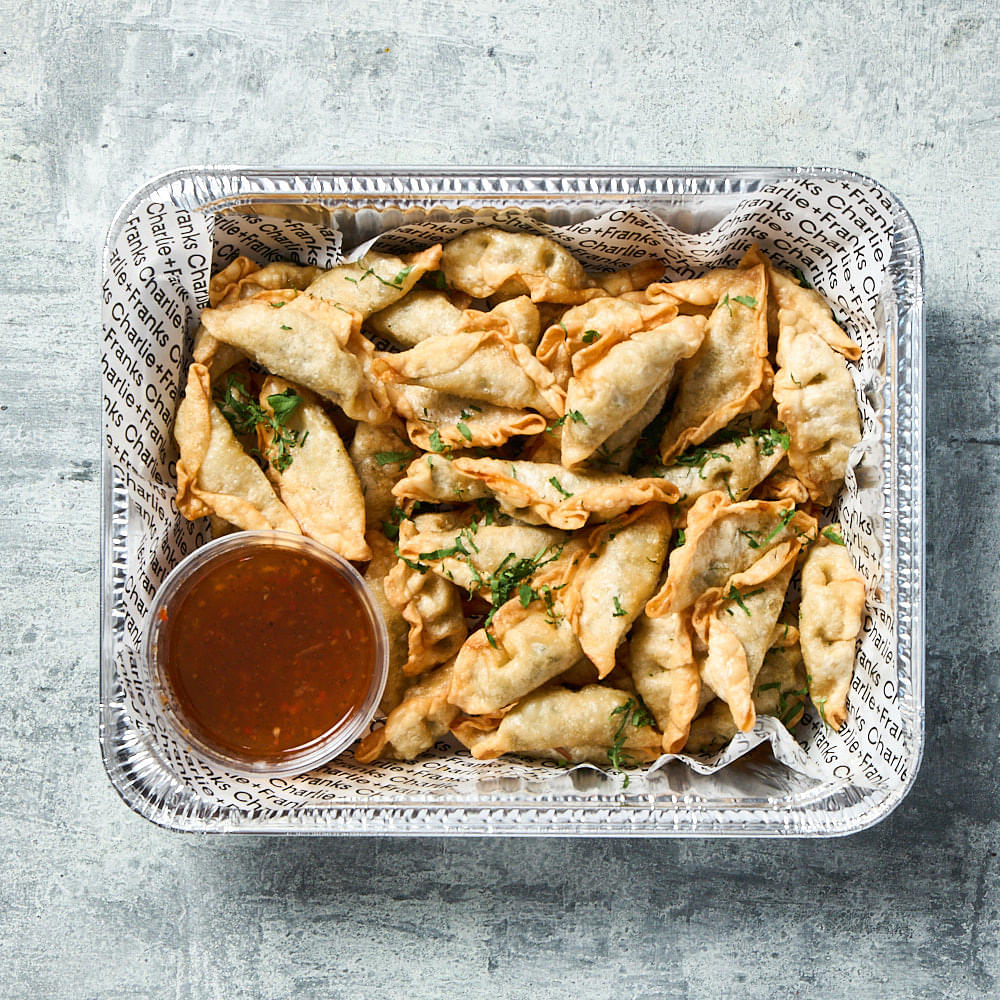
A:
{"points": [[681, 537], [555, 482], [276, 305], [590, 336], [437, 445], [697, 458], [283, 327], [526, 594], [392, 457], [577, 417], [619, 611], [463, 429], [638, 715], [830, 534], [746, 300]]}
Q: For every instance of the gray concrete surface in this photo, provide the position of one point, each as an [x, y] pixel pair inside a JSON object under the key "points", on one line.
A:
{"points": [[97, 97]]}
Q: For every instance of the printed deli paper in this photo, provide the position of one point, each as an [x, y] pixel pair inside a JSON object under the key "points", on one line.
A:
{"points": [[837, 233]]}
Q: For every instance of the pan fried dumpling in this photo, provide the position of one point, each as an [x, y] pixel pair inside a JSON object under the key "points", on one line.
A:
{"points": [[612, 585], [380, 453], [734, 467], [804, 310], [435, 479], [308, 341], [416, 723], [482, 366], [483, 262], [816, 402], [542, 493], [630, 279], [375, 280], [469, 553], [433, 607], [421, 314], [459, 422], [736, 625], [603, 396], [318, 485], [730, 373], [523, 648], [587, 332], [243, 279], [663, 669], [615, 455], [779, 692], [568, 726], [398, 628], [723, 539], [214, 474], [830, 619]]}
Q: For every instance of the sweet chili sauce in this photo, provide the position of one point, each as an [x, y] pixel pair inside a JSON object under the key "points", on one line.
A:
{"points": [[266, 652]]}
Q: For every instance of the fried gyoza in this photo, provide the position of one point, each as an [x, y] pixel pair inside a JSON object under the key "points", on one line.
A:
{"points": [[433, 607], [435, 479], [483, 262], [243, 279], [611, 587], [663, 669], [541, 493], [780, 691], [308, 341], [375, 280], [482, 366], [319, 485], [730, 374], [422, 717], [468, 552], [214, 474], [830, 619], [398, 628], [587, 332], [458, 422], [723, 539], [734, 467], [523, 648], [816, 402], [569, 726], [380, 453], [603, 396], [424, 314], [736, 623]]}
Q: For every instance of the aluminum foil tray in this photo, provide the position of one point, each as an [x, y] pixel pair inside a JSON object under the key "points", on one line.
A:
{"points": [[755, 796]]}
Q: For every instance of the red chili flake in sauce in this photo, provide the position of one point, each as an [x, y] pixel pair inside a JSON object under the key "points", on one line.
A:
{"points": [[267, 652]]}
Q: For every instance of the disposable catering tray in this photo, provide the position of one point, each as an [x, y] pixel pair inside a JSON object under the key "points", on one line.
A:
{"points": [[846, 233]]}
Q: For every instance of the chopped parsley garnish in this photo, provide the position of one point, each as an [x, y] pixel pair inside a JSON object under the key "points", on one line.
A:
{"points": [[276, 305], [436, 279], [619, 611], [795, 380], [681, 537], [283, 327], [245, 415], [800, 277], [463, 429], [437, 445], [395, 282], [746, 300], [589, 336], [698, 457], [734, 595], [417, 566], [392, 457], [783, 523], [751, 537], [637, 714], [509, 577], [555, 482], [830, 534]]}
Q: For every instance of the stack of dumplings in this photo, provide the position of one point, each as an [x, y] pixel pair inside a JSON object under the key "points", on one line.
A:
{"points": [[579, 499]]}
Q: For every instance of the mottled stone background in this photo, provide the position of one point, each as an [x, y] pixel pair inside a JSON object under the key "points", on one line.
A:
{"points": [[98, 97]]}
